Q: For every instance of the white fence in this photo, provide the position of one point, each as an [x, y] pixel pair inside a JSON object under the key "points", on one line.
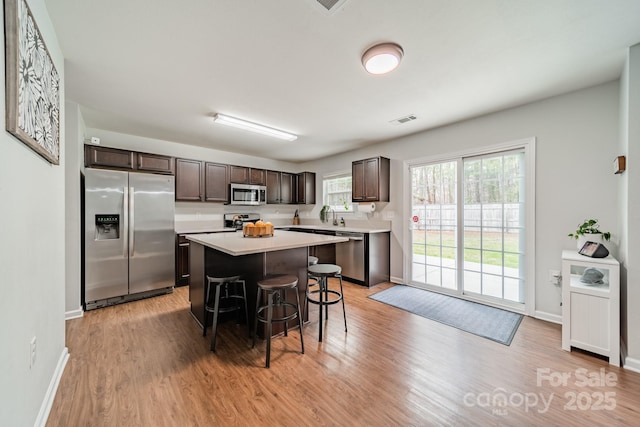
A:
{"points": [[492, 217]]}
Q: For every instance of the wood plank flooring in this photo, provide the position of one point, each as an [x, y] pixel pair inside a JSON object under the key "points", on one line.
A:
{"points": [[145, 363]]}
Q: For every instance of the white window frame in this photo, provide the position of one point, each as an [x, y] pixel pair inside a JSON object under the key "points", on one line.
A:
{"points": [[325, 195]]}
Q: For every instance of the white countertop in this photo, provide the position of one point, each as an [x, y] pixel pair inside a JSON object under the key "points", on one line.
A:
{"points": [[337, 228], [236, 244]]}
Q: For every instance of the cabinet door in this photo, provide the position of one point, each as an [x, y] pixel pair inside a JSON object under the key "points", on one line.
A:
{"points": [[239, 174], [273, 187], [108, 157], [182, 261], [371, 180], [155, 163], [216, 183], [307, 188], [189, 180], [357, 181], [287, 188], [257, 176]]}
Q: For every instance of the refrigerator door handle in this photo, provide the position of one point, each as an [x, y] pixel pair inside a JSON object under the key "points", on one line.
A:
{"points": [[125, 217], [131, 220]]}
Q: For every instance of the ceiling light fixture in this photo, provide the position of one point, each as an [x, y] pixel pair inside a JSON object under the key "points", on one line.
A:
{"points": [[382, 58], [253, 127]]}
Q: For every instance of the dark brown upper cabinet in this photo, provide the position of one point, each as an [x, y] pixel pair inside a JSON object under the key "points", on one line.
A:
{"points": [[216, 182], [189, 180], [257, 176], [288, 188], [198, 181], [370, 180], [108, 158], [273, 187], [238, 174], [247, 175], [155, 163], [113, 158], [306, 188]]}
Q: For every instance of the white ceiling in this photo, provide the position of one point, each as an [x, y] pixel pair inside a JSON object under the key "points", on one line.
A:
{"points": [[162, 68]]}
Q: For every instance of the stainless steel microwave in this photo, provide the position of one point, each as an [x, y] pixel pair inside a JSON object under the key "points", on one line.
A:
{"points": [[243, 194]]}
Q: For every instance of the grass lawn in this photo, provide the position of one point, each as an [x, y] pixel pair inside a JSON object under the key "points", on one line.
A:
{"points": [[484, 248]]}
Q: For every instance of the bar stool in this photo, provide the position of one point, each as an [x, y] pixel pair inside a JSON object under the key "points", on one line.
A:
{"points": [[311, 280], [276, 302], [226, 299], [322, 272]]}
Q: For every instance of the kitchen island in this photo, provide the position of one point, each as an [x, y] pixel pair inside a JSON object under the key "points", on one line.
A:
{"points": [[228, 254]]}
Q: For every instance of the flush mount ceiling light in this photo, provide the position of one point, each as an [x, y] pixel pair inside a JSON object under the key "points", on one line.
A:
{"points": [[253, 127], [382, 58]]}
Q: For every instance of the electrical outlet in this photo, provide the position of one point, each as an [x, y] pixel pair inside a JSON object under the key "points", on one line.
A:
{"points": [[32, 352], [554, 277]]}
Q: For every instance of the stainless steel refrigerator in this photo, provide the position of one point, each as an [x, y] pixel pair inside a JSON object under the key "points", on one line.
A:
{"points": [[129, 240]]}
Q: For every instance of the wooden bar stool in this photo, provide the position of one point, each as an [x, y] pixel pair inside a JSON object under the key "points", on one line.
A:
{"points": [[277, 308], [224, 295], [326, 296]]}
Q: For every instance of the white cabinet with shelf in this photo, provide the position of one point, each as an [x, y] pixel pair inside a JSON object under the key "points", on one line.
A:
{"points": [[591, 311]]}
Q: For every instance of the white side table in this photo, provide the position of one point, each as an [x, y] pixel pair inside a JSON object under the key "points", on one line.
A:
{"points": [[591, 312]]}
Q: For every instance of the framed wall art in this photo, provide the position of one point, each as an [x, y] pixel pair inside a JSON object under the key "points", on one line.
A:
{"points": [[32, 83]]}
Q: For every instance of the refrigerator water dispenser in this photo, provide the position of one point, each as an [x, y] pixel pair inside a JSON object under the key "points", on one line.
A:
{"points": [[107, 227]]}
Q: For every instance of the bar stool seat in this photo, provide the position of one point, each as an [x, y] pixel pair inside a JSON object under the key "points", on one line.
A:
{"points": [[224, 295], [326, 296], [277, 309]]}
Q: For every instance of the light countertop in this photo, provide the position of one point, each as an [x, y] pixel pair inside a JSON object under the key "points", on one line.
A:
{"points": [[236, 244], [336, 228]]}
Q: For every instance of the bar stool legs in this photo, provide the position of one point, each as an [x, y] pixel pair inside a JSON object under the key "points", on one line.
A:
{"points": [[231, 298], [273, 288], [322, 272]]}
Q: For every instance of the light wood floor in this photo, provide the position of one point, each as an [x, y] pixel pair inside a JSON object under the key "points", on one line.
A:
{"points": [[146, 363]]}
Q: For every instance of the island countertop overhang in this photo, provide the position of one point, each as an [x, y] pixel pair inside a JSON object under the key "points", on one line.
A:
{"points": [[236, 244]]}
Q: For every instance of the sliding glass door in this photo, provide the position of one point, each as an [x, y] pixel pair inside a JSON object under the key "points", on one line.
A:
{"points": [[467, 226], [434, 224], [493, 212]]}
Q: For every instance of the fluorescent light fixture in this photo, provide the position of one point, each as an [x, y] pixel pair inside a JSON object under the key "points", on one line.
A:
{"points": [[253, 127], [382, 58]]}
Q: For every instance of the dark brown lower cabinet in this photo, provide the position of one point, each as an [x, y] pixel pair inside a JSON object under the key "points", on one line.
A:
{"points": [[182, 260]]}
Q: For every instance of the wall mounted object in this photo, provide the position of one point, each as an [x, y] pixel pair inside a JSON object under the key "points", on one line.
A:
{"points": [[32, 84], [619, 164]]}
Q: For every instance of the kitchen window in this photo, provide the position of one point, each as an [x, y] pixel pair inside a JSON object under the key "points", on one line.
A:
{"points": [[337, 192]]}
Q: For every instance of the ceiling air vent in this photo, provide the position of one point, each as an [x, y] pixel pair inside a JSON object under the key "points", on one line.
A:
{"points": [[329, 6], [403, 120]]}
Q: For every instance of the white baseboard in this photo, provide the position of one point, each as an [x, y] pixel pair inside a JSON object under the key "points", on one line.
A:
{"points": [[628, 362], [73, 314], [47, 402], [549, 317], [397, 280]]}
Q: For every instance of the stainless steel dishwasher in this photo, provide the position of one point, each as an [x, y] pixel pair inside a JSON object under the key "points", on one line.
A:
{"points": [[350, 255]]}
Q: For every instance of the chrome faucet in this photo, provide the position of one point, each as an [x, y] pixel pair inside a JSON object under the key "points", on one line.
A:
{"points": [[335, 220]]}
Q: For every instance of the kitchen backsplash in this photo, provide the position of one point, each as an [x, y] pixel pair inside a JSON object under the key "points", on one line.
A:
{"points": [[206, 215]]}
